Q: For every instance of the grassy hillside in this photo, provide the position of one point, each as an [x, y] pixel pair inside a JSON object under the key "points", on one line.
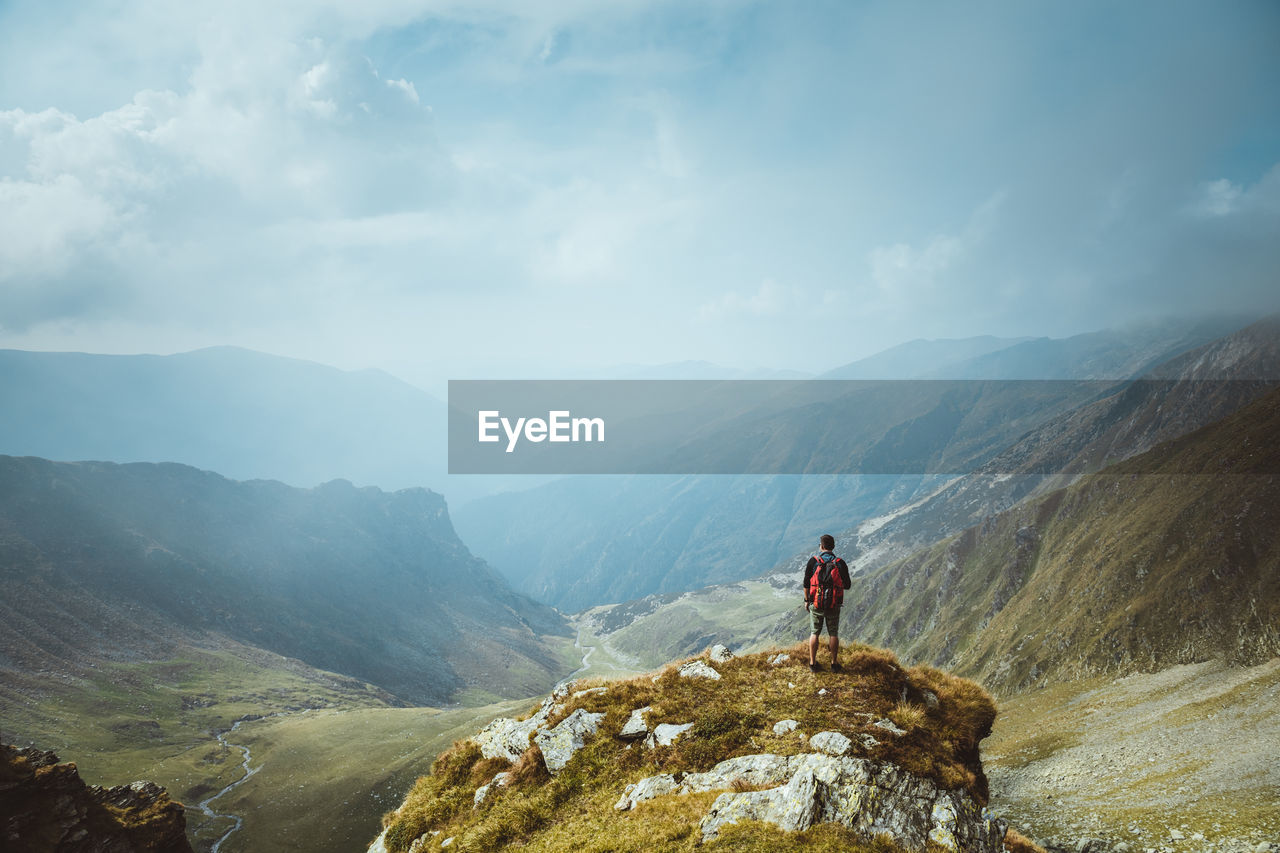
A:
{"points": [[371, 584], [1189, 749], [1167, 558], [734, 716]]}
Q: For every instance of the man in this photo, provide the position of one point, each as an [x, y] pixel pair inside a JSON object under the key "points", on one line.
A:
{"points": [[838, 572]]}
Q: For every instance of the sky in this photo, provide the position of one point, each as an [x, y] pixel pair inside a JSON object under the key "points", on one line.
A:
{"points": [[514, 189]]}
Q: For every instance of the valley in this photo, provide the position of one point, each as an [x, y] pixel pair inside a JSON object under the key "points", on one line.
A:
{"points": [[287, 662]]}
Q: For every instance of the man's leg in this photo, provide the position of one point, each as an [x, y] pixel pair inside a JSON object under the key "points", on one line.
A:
{"points": [[813, 649], [833, 637]]}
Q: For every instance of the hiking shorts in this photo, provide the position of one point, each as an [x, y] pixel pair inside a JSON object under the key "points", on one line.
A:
{"points": [[831, 617]]}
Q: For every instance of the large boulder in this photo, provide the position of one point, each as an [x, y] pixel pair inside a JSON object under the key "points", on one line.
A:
{"points": [[508, 738], [561, 743], [868, 797]]}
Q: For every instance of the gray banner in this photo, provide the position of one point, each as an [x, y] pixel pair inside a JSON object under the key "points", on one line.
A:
{"points": [[946, 427]]}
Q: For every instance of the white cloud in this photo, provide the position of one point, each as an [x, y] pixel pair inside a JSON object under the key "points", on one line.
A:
{"points": [[769, 299], [410, 91], [1216, 198]]}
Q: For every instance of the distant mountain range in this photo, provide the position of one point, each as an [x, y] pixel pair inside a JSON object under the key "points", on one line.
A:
{"points": [[1151, 423], [98, 558], [585, 541], [244, 414]]}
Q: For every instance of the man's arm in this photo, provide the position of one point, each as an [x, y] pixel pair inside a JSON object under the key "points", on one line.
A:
{"points": [[844, 573]]}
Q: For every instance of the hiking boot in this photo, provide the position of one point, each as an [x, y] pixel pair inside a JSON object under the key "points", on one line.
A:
{"points": [[813, 667], [835, 667]]}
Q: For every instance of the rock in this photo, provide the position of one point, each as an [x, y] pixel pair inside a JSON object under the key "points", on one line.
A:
{"points": [[889, 727], [779, 659], [783, 727], [559, 744], [866, 796], [646, 789], [448, 842], [867, 741], [636, 727], [665, 734], [792, 807], [508, 738], [930, 699], [760, 769], [698, 669], [721, 653], [591, 691], [42, 798], [1176, 835], [499, 781], [832, 743], [379, 844], [822, 692]]}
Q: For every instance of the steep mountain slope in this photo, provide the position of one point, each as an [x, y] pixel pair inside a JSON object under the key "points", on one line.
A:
{"points": [[1185, 393], [581, 542], [1170, 557], [242, 413], [371, 584], [1214, 380]]}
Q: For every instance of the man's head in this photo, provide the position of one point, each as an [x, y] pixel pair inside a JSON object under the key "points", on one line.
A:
{"points": [[828, 542]]}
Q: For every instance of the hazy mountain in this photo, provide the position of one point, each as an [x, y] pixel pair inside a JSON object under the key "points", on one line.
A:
{"points": [[1169, 557], [1212, 382], [243, 413], [921, 358], [581, 542], [1106, 354], [367, 583], [1187, 392]]}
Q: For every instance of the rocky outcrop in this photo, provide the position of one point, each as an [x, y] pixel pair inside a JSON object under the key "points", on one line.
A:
{"points": [[868, 797], [698, 669], [559, 744], [45, 805]]}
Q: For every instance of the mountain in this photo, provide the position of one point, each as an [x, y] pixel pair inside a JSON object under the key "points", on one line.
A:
{"points": [[1189, 391], [921, 359], [584, 541], [245, 414], [1192, 390], [751, 753], [366, 583], [1106, 354], [1170, 557]]}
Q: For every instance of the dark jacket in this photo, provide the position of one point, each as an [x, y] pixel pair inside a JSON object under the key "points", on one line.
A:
{"points": [[809, 569]]}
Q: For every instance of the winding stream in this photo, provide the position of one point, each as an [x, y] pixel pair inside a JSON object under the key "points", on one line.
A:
{"points": [[205, 806]]}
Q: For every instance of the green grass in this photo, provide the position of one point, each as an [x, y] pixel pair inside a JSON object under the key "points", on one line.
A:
{"points": [[328, 777], [158, 720]]}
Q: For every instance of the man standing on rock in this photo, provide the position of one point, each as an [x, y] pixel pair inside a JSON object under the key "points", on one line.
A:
{"points": [[826, 577]]}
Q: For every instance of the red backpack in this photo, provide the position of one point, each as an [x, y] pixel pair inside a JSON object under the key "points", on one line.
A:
{"points": [[825, 590]]}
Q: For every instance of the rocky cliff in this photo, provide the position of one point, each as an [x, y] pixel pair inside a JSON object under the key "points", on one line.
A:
{"points": [[46, 806], [721, 753]]}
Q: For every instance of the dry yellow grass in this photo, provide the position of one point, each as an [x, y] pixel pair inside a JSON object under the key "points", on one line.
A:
{"points": [[573, 810]]}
